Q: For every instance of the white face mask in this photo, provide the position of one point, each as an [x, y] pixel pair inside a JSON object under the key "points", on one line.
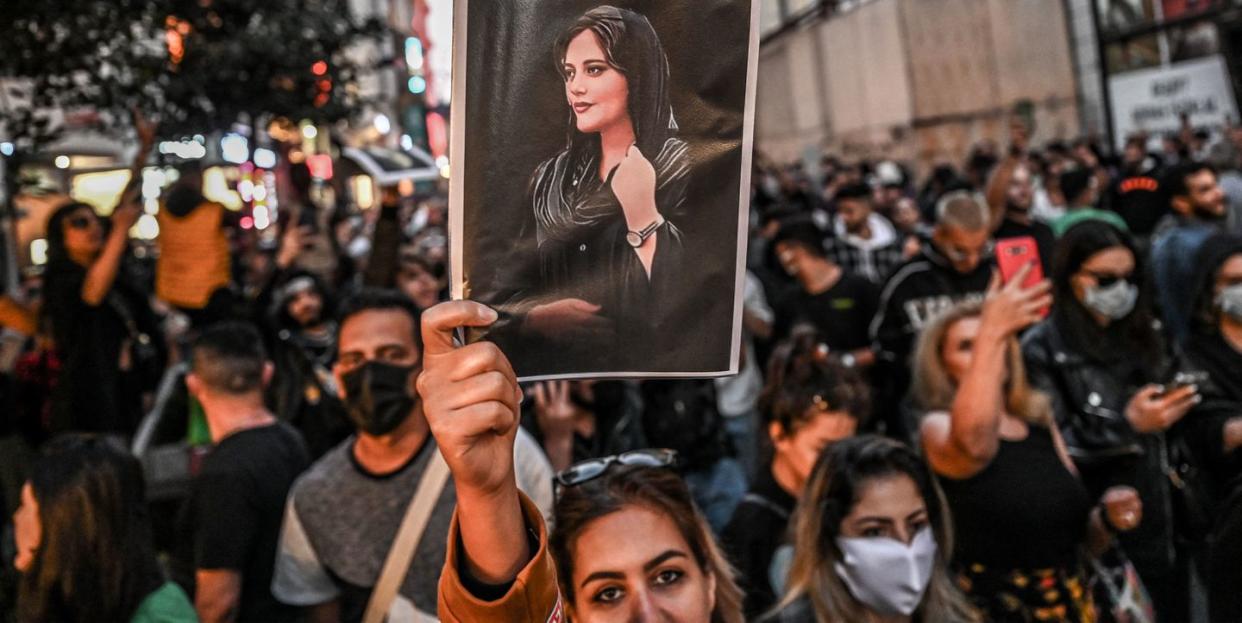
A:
{"points": [[1230, 302], [1114, 302], [886, 575]]}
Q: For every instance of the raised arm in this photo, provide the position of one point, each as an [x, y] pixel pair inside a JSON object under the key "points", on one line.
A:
{"points": [[963, 442]]}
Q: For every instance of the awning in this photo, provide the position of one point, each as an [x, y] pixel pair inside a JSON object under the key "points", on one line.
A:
{"points": [[389, 166]]}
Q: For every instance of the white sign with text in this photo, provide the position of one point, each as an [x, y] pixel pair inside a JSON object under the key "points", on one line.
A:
{"points": [[1153, 100]]}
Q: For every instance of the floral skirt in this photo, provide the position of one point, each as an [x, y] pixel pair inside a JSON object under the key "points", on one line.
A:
{"points": [[1029, 595]]}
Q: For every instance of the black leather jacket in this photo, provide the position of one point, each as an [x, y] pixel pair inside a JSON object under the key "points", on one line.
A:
{"points": [[1089, 400]]}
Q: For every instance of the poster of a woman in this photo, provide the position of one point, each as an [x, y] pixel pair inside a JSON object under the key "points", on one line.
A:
{"points": [[617, 249]]}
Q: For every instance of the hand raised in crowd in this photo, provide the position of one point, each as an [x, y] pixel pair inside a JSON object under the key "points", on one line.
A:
{"points": [[634, 184], [291, 244], [127, 211], [471, 399], [557, 416], [1123, 509], [1010, 308], [1153, 409]]}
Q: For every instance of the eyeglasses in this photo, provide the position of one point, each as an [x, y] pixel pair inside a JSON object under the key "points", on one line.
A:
{"points": [[80, 222], [961, 255], [587, 471], [1105, 280]]}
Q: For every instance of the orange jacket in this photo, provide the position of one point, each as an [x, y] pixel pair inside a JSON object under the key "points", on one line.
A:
{"points": [[194, 256], [533, 598]]}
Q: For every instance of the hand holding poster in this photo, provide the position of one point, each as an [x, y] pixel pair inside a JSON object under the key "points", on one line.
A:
{"points": [[601, 181]]}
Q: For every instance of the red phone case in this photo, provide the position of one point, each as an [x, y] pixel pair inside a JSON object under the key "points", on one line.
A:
{"points": [[1014, 253]]}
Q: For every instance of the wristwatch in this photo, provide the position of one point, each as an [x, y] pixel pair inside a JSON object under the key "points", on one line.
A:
{"points": [[636, 239]]}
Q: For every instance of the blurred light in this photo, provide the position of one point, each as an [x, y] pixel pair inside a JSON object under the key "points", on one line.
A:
{"points": [[413, 54], [218, 188], [418, 85], [147, 228], [101, 189], [319, 68], [62, 162], [200, 139], [247, 222], [364, 191], [6, 149], [234, 148], [245, 188], [320, 166], [442, 161], [38, 251], [444, 171], [260, 193], [382, 124], [153, 181], [261, 219], [310, 131], [264, 158], [186, 150], [151, 206], [407, 143]]}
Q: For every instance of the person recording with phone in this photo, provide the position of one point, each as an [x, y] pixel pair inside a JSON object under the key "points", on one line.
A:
{"points": [[100, 319], [1102, 360], [1020, 511]]}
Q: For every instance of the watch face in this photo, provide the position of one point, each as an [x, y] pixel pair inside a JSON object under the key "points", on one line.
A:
{"points": [[634, 239]]}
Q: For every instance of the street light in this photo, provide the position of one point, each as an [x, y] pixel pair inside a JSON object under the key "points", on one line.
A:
{"points": [[62, 162]]}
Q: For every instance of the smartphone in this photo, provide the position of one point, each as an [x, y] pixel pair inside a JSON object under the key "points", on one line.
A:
{"points": [[1014, 253], [1184, 379]]}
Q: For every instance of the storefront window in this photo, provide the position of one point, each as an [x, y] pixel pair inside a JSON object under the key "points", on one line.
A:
{"points": [[1122, 15], [1137, 53], [1193, 41]]}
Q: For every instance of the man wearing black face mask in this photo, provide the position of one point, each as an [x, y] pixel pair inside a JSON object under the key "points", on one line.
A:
{"points": [[1198, 211], [344, 513]]}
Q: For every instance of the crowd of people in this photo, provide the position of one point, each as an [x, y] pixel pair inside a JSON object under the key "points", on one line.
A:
{"points": [[921, 429]]}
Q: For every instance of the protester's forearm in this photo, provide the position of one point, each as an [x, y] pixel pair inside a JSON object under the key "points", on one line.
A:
{"points": [[757, 326], [560, 450], [101, 275], [17, 317], [493, 534], [1233, 435], [977, 408]]}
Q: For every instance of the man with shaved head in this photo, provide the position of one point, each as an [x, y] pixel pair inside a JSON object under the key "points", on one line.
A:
{"points": [[956, 266], [237, 500]]}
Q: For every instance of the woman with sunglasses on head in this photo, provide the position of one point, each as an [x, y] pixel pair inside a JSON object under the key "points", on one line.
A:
{"points": [[809, 403], [871, 541], [629, 545], [96, 316], [1103, 362], [1021, 515]]}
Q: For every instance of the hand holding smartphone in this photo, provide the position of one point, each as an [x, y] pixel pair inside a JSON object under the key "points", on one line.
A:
{"points": [[1012, 254]]}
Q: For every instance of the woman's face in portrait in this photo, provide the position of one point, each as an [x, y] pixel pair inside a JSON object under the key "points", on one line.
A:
{"points": [[597, 92], [634, 565]]}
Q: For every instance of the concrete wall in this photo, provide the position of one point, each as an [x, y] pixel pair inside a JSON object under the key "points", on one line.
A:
{"points": [[917, 80]]}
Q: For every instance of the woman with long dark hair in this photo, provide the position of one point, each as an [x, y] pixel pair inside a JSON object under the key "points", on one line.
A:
{"points": [[1102, 361], [84, 545], [101, 323], [810, 402], [606, 207], [629, 542], [871, 541]]}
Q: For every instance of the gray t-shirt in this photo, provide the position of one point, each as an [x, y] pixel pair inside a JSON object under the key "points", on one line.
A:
{"points": [[340, 522]]}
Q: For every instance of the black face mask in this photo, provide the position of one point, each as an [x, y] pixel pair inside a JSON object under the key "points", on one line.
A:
{"points": [[377, 396]]}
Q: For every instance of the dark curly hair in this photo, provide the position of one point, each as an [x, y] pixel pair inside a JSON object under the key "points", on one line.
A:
{"points": [[802, 376]]}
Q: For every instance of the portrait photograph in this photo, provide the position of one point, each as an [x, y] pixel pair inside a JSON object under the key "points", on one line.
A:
{"points": [[601, 156]]}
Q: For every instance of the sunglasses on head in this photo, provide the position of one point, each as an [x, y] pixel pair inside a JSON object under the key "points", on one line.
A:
{"points": [[589, 470], [1105, 280]]}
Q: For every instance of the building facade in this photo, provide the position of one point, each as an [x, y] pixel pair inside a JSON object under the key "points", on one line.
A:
{"points": [[920, 81]]}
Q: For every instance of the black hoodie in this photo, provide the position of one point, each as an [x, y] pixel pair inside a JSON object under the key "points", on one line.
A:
{"points": [[918, 291]]}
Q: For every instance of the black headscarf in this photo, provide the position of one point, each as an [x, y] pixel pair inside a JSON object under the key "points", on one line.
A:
{"points": [[561, 185]]}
